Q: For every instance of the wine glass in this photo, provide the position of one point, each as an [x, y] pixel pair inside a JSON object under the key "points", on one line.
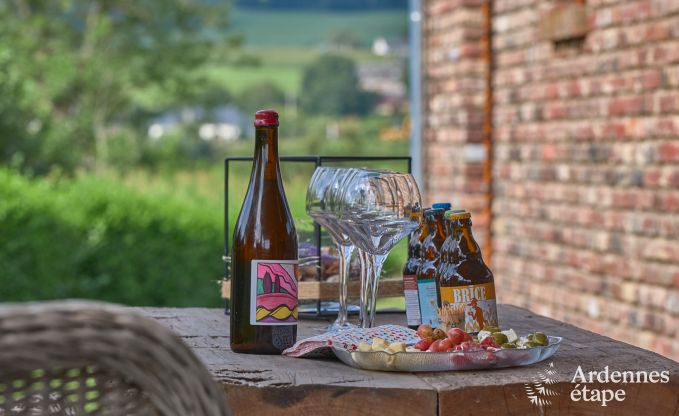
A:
{"points": [[322, 184], [371, 206]]}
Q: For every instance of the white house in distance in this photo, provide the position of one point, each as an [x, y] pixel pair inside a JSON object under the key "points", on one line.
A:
{"points": [[224, 123]]}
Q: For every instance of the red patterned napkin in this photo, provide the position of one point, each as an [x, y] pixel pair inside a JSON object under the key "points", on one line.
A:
{"points": [[319, 345]]}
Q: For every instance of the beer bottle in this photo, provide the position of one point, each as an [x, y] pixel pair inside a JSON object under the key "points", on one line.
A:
{"points": [[442, 205], [467, 288], [426, 272], [410, 270], [264, 256], [447, 245]]}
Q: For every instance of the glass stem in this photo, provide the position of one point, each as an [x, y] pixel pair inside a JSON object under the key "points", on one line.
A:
{"points": [[344, 252], [377, 261], [364, 313]]}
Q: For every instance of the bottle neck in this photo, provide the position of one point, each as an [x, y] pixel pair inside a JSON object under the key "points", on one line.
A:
{"points": [[436, 235], [466, 245], [415, 240], [447, 243], [424, 231], [265, 164], [437, 229]]}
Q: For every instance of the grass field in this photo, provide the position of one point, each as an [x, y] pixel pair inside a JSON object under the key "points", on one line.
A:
{"points": [[286, 41], [283, 66], [237, 78], [311, 28]]}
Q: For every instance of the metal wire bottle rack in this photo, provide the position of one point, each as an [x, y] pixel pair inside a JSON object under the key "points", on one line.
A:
{"points": [[321, 291]]}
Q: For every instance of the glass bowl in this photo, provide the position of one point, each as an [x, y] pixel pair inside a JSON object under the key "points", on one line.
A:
{"points": [[447, 361]]}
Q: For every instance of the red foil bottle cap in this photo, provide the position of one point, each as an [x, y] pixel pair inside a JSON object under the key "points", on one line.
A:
{"points": [[265, 118]]}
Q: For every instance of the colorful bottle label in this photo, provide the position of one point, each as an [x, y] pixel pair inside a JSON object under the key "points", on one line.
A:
{"points": [[426, 289], [273, 289], [468, 307], [412, 300]]}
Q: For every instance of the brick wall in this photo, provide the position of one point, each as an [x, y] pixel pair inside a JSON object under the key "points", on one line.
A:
{"points": [[586, 160], [454, 73]]}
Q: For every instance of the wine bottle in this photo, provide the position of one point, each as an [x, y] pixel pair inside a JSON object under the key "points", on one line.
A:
{"points": [[264, 255]]}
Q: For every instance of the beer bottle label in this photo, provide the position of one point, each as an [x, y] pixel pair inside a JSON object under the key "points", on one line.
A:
{"points": [[412, 300], [273, 299], [426, 289], [468, 307]]}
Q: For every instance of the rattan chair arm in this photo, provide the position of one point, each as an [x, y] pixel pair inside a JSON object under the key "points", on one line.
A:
{"points": [[75, 334]]}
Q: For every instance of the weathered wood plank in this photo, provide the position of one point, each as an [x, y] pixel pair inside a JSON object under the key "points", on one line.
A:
{"points": [[283, 385], [330, 400]]}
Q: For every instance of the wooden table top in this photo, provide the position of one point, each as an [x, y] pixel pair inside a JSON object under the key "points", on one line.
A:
{"points": [[275, 385]]}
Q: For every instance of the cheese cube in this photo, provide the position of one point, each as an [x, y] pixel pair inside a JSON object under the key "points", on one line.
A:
{"points": [[397, 347], [482, 334], [511, 335], [379, 344], [364, 347]]}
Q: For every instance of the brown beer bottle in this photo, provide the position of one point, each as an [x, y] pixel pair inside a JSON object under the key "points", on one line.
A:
{"points": [[426, 272], [264, 256], [466, 288], [447, 246], [410, 270]]}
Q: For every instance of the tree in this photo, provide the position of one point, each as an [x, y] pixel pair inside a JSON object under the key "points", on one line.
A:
{"points": [[330, 86], [72, 72]]}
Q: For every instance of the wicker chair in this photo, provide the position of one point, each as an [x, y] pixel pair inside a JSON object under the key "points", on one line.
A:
{"points": [[87, 358]]}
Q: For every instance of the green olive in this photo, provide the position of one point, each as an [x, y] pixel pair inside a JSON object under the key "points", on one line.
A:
{"points": [[531, 344], [499, 337], [529, 337], [541, 338], [491, 329], [508, 345]]}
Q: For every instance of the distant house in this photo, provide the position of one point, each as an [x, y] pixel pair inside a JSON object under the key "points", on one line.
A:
{"points": [[384, 47], [226, 123], [386, 79]]}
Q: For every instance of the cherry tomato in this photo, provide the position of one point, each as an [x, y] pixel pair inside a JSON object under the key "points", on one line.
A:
{"points": [[457, 335], [423, 344], [489, 342], [470, 346], [435, 346], [445, 344]]}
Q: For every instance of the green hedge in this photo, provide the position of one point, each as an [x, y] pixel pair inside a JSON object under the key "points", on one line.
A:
{"points": [[95, 238]]}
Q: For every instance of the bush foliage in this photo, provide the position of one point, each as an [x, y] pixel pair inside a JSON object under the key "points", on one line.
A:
{"points": [[96, 238]]}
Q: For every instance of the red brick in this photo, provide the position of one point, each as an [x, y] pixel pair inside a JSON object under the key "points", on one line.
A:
{"points": [[669, 151], [626, 106]]}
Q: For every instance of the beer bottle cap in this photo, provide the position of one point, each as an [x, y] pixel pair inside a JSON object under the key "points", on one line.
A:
{"points": [[459, 216], [433, 212], [266, 118], [441, 205], [453, 211]]}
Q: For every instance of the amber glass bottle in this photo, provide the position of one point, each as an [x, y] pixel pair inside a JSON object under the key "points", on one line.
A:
{"points": [[426, 272], [410, 270], [447, 246], [466, 287], [264, 256]]}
